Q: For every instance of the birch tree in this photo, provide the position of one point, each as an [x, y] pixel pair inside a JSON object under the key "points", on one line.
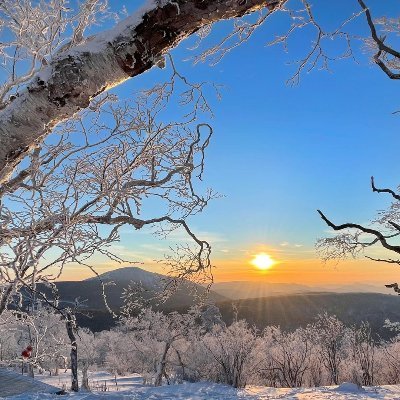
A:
{"points": [[66, 71], [57, 191]]}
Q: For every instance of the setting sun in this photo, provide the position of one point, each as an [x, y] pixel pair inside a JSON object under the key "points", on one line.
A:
{"points": [[263, 261]]}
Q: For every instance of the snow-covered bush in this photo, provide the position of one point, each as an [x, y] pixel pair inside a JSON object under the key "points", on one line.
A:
{"points": [[230, 352]]}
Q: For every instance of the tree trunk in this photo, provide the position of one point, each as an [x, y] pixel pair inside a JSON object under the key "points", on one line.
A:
{"points": [[30, 372], [74, 353], [85, 378], [161, 366], [182, 365], [105, 60]]}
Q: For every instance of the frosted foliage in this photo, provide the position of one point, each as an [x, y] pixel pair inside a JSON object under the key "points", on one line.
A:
{"points": [[173, 348], [33, 31], [100, 170], [43, 330]]}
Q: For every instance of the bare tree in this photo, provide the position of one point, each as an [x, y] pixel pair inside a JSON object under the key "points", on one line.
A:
{"points": [[289, 355], [384, 55], [355, 239], [154, 336], [73, 192], [53, 70], [231, 348]]}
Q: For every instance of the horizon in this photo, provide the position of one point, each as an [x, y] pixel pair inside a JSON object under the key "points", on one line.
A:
{"points": [[357, 286], [277, 159], [200, 199]]}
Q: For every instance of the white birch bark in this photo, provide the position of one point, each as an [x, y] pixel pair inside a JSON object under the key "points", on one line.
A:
{"points": [[79, 73]]}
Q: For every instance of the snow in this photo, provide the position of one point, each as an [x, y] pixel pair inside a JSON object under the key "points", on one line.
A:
{"points": [[131, 387], [150, 280], [349, 387], [100, 40]]}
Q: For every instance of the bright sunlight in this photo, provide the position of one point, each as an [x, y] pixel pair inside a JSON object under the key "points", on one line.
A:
{"points": [[263, 261]]}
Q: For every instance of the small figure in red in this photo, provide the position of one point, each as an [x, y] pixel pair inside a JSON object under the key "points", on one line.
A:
{"points": [[26, 353]]}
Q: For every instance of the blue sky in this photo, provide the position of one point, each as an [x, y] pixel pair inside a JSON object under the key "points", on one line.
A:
{"points": [[280, 152]]}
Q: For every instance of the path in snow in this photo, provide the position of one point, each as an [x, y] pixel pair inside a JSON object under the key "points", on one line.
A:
{"points": [[12, 383]]}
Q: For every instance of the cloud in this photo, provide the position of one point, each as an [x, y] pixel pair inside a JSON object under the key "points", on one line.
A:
{"points": [[180, 235], [154, 247], [284, 244]]}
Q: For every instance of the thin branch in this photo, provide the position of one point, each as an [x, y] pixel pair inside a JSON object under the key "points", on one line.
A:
{"points": [[374, 232], [391, 192]]}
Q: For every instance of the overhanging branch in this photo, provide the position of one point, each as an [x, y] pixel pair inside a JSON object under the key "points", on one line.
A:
{"points": [[381, 238], [80, 73]]}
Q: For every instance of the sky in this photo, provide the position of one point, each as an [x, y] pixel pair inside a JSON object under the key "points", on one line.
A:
{"points": [[281, 152]]}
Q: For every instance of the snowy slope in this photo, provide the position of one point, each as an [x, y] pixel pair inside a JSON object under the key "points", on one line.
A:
{"points": [[135, 274], [130, 387], [13, 383]]}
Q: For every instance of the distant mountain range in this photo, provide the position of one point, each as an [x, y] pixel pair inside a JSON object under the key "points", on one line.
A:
{"points": [[251, 290], [261, 304]]}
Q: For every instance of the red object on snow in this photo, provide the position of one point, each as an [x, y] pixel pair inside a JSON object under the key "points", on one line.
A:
{"points": [[26, 353]]}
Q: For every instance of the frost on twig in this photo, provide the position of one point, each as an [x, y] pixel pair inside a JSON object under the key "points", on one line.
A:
{"points": [[377, 241], [34, 31], [97, 173]]}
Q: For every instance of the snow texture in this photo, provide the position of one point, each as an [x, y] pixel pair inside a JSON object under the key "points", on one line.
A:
{"points": [[131, 387]]}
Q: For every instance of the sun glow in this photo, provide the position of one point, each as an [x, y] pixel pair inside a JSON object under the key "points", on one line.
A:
{"points": [[263, 261]]}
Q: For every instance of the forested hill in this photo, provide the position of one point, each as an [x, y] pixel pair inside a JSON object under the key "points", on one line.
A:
{"points": [[292, 311], [289, 310], [296, 310]]}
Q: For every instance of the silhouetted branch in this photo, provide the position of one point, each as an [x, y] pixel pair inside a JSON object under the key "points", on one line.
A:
{"points": [[375, 189], [382, 47], [380, 236]]}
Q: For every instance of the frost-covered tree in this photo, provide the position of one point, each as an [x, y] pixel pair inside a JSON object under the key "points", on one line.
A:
{"points": [[332, 336], [88, 354], [63, 68], [230, 348], [289, 355], [79, 194], [54, 68], [363, 349], [155, 336], [10, 349], [43, 331]]}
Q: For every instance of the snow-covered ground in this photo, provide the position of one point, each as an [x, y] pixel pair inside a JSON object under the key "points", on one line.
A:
{"points": [[131, 387]]}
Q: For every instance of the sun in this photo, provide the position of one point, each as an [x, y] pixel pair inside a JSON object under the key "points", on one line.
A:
{"points": [[263, 261]]}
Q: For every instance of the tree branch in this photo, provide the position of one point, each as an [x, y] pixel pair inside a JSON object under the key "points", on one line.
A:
{"points": [[377, 234], [75, 76], [382, 48], [375, 189]]}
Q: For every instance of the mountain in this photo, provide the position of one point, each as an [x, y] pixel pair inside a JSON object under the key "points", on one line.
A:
{"points": [[90, 290], [250, 290], [279, 307], [131, 274]]}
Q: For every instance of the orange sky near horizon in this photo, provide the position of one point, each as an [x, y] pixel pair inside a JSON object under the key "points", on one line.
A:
{"points": [[311, 272]]}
